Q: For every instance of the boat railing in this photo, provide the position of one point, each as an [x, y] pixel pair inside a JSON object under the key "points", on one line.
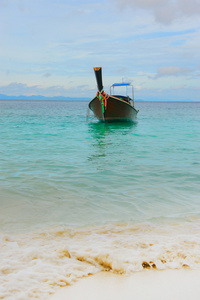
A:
{"points": [[126, 85]]}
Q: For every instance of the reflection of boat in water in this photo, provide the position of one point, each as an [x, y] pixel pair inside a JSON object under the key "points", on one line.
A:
{"points": [[108, 108], [105, 137]]}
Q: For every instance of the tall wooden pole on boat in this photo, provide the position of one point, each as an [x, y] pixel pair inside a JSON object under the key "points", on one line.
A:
{"points": [[98, 74]]}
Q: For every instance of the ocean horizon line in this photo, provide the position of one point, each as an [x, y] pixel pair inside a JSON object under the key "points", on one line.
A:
{"points": [[63, 98]]}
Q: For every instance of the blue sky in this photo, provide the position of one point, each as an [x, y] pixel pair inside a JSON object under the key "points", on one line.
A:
{"points": [[49, 47]]}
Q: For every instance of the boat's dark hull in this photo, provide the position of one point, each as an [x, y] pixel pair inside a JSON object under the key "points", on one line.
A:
{"points": [[115, 110]]}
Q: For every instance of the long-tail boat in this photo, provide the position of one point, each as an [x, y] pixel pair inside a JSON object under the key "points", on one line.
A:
{"points": [[108, 107]]}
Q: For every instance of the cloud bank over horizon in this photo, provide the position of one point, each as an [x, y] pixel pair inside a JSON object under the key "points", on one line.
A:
{"points": [[50, 47]]}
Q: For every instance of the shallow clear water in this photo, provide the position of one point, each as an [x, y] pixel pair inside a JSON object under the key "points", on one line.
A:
{"points": [[56, 168], [120, 187]]}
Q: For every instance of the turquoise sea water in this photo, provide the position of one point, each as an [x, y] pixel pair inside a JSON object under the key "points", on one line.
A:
{"points": [[114, 185], [57, 168]]}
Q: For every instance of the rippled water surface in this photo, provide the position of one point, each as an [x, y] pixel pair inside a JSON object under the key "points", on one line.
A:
{"points": [[57, 168], [80, 196]]}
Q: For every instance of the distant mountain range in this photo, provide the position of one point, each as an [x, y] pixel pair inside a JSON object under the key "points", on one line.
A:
{"points": [[60, 98], [39, 97]]}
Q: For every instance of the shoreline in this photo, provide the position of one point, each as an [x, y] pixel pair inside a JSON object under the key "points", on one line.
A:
{"points": [[149, 284]]}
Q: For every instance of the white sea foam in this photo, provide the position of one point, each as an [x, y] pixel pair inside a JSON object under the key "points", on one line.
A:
{"points": [[33, 264]]}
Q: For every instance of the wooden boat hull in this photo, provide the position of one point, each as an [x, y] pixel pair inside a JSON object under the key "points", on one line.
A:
{"points": [[115, 110]]}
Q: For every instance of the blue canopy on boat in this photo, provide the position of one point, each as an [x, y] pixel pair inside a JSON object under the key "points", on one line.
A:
{"points": [[121, 84]]}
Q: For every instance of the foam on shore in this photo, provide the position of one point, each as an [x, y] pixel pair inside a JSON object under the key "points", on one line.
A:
{"points": [[33, 264]]}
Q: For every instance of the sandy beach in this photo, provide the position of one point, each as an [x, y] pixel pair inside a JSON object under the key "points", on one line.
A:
{"points": [[165, 285]]}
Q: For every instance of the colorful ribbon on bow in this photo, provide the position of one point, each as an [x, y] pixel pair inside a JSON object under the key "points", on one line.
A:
{"points": [[103, 97]]}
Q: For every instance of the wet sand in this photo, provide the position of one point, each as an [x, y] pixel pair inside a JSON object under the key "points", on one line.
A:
{"points": [[150, 284]]}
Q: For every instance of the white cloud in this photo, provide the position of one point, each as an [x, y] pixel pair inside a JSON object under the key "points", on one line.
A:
{"points": [[165, 11], [172, 71], [47, 44], [18, 89], [138, 87], [179, 87], [47, 74], [173, 93]]}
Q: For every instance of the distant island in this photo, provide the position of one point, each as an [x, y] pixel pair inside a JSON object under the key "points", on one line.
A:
{"points": [[40, 97]]}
